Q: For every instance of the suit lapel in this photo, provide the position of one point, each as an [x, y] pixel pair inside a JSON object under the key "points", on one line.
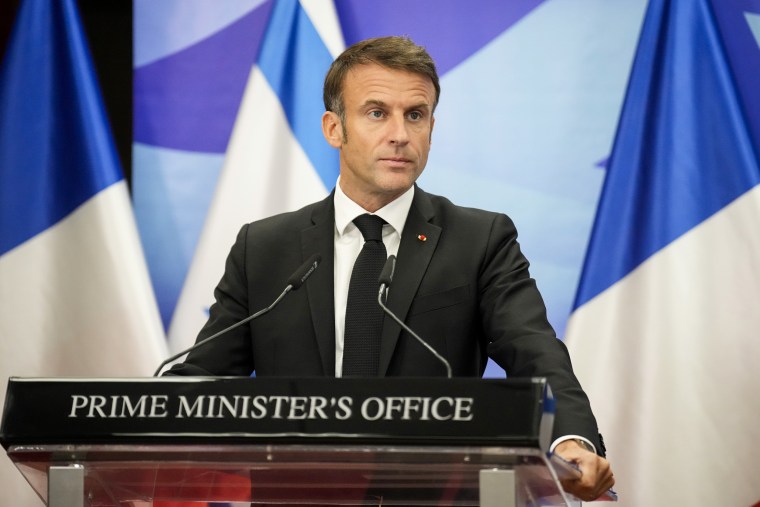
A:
{"points": [[418, 242], [319, 238]]}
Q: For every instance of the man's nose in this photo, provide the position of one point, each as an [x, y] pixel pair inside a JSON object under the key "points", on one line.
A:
{"points": [[398, 130]]}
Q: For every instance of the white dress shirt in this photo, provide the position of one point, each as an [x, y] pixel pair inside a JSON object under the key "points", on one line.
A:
{"points": [[348, 244]]}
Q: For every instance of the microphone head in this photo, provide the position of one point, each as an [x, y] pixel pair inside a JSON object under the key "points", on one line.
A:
{"points": [[386, 275], [302, 273]]}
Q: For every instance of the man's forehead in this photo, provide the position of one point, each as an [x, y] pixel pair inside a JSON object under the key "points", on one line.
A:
{"points": [[366, 79], [372, 67]]}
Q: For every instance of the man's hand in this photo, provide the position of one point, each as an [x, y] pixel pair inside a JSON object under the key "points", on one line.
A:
{"points": [[596, 475]]}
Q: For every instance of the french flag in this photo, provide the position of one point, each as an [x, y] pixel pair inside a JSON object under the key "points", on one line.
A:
{"points": [[665, 335], [75, 297]]}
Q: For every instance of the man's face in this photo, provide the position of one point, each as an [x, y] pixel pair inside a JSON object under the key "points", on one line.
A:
{"points": [[388, 123]]}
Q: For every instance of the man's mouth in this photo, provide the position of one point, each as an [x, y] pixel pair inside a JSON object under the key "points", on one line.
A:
{"points": [[396, 160]]}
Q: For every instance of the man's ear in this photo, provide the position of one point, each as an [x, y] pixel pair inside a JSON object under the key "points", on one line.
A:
{"points": [[432, 124], [332, 129]]}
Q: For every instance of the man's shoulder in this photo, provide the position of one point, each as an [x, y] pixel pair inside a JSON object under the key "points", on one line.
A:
{"points": [[294, 220], [443, 208]]}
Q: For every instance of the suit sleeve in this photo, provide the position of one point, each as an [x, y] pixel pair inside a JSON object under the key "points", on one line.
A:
{"points": [[521, 340], [230, 354]]}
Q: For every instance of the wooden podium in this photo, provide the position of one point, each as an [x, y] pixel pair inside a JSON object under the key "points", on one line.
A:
{"points": [[283, 441]]}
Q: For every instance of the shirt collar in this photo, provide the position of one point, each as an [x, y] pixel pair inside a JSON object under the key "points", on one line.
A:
{"points": [[395, 212]]}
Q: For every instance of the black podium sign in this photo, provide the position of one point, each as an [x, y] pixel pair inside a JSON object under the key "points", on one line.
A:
{"points": [[512, 412]]}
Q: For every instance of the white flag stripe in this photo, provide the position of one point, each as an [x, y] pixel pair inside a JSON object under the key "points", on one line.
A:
{"points": [[265, 172], [81, 297], [753, 20], [683, 329], [325, 20], [81, 305]]}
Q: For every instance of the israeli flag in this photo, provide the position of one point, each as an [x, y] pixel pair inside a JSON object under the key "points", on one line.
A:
{"points": [[277, 159], [75, 297], [664, 336]]}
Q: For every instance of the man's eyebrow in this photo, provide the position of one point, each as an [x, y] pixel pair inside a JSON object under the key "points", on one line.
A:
{"points": [[422, 105], [379, 103], [374, 102]]}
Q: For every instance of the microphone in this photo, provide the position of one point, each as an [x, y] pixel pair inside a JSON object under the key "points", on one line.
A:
{"points": [[386, 276], [295, 281]]}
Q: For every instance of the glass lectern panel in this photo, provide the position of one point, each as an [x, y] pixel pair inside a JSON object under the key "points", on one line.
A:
{"points": [[119, 476]]}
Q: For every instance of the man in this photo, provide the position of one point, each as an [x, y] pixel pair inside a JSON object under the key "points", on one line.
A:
{"points": [[461, 281]]}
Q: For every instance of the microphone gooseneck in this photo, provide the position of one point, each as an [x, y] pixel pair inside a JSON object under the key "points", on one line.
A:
{"points": [[385, 279], [295, 282]]}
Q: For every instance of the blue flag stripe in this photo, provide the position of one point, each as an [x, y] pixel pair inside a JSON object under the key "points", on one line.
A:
{"points": [[54, 150], [294, 60], [682, 150]]}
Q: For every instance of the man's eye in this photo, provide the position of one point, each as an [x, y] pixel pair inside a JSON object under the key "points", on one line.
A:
{"points": [[415, 115], [376, 114]]}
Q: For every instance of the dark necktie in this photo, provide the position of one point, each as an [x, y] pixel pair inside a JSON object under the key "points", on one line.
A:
{"points": [[364, 317]]}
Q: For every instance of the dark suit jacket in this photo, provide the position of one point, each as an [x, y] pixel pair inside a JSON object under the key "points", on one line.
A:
{"points": [[465, 289]]}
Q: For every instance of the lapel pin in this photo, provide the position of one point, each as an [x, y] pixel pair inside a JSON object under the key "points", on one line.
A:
{"points": [[422, 237]]}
